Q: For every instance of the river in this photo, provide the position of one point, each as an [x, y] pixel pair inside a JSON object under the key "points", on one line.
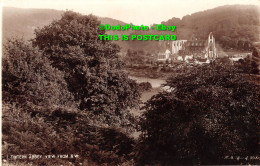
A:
{"points": [[156, 83]]}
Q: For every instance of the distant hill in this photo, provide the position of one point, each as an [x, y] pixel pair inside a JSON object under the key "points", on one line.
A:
{"points": [[230, 22], [22, 22], [237, 22], [18, 22]]}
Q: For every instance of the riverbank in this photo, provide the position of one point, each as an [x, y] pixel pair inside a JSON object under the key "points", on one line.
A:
{"points": [[146, 95]]}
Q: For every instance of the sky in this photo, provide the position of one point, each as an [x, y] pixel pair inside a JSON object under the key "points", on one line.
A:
{"points": [[138, 12]]}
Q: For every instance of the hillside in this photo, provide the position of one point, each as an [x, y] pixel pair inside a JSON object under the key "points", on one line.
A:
{"points": [[231, 22], [228, 23], [236, 21], [19, 22], [22, 22]]}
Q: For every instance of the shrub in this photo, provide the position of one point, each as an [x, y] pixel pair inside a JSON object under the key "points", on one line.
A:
{"points": [[63, 131]]}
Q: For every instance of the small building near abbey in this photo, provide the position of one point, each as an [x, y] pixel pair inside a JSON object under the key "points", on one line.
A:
{"points": [[198, 50]]}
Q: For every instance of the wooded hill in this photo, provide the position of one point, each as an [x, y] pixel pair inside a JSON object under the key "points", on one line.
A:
{"points": [[228, 23]]}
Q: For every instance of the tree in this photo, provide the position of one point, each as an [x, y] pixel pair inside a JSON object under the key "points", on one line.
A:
{"points": [[92, 67], [182, 53], [40, 114], [145, 86], [33, 89], [247, 45], [255, 61], [211, 112], [240, 44], [28, 77]]}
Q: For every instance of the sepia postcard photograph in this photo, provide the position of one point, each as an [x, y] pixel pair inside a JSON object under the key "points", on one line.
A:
{"points": [[130, 82]]}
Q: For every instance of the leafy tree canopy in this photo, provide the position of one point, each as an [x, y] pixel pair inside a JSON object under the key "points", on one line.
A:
{"points": [[28, 77], [211, 112], [92, 68]]}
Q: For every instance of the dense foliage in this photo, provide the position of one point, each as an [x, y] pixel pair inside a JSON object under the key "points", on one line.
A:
{"points": [[139, 57], [67, 94], [28, 77], [145, 86], [249, 64], [61, 131], [255, 64], [239, 22], [232, 43], [92, 68], [211, 112]]}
